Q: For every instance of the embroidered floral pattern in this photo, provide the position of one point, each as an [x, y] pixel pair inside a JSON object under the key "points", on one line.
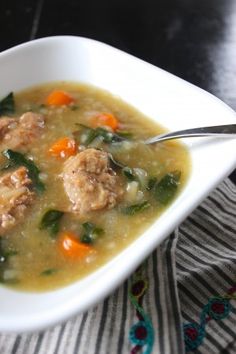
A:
{"points": [[216, 309], [141, 333]]}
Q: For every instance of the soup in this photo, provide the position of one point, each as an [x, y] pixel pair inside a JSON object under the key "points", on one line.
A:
{"points": [[77, 183]]}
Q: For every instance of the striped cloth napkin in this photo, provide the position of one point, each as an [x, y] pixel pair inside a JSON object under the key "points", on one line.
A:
{"points": [[182, 299]]}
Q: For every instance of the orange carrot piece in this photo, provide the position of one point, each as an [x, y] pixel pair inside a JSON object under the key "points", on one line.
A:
{"points": [[71, 247], [58, 98], [63, 147], [105, 119]]}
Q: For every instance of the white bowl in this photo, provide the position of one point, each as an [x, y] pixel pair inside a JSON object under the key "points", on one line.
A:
{"points": [[171, 101]]}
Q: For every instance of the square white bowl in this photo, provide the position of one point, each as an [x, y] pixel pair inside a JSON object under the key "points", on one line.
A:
{"points": [[172, 102]]}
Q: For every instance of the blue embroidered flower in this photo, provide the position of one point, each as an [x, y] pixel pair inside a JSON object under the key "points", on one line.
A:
{"points": [[193, 335], [219, 308]]}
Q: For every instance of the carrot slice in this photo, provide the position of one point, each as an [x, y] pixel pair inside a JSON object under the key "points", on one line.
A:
{"points": [[105, 119], [63, 147], [72, 248], [58, 98]]}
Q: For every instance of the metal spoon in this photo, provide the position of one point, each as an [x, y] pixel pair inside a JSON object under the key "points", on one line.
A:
{"points": [[224, 131]]}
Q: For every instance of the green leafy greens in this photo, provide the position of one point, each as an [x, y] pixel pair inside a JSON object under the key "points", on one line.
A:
{"points": [[7, 104], [74, 107], [151, 183], [49, 271], [5, 254], [17, 159], [91, 232], [115, 164], [88, 135], [51, 221], [136, 208], [129, 173], [124, 134], [166, 188]]}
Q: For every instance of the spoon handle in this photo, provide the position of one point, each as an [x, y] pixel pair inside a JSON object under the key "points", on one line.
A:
{"points": [[223, 131]]}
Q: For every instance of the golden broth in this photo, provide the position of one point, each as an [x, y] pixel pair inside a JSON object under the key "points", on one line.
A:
{"points": [[39, 264]]}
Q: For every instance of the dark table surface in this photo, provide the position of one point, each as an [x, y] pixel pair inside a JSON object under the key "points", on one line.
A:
{"points": [[193, 39]]}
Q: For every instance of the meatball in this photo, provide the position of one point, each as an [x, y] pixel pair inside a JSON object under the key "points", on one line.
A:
{"points": [[15, 198], [17, 133], [90, 183]]}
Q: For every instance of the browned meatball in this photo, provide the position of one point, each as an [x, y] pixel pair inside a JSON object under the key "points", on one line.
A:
{"points": [[15, 198], [19, 132], [90, 183]]}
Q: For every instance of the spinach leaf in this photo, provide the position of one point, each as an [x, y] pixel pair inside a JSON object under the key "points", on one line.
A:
{"points": [[11, 281], [108, 137], [49, 271], [51, 221], [91, 232], [165, 190], [151, 183], [85, 134], [115, 163], [4, 257], [136, 208], [74, 107], [17, 159], [5, 254], [136, 174], [124, 134], [129, 173], [6, 166], [7, 104], [90, 134]]}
